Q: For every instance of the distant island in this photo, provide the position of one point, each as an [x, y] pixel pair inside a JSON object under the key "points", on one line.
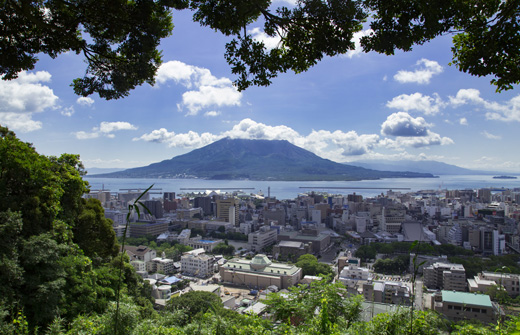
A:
{"points": [[504, 177], [241, 159]]}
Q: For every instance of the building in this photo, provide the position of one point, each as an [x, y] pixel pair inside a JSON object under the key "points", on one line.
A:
{"points": [[202, 243], [259, 272], [459, 306], [264, 237], [142, 229], [347, 260], [275, 214], [140, 253], [227, 210], [387, 292], [205, 203], [426, 261], [353, 276], [485, 280], [155, 207], [161, 265], [320, 242], [197, 263], [291, 250], [445, 276], [220, 226]]}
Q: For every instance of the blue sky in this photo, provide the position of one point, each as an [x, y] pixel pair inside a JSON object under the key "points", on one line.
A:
{"points": [[352, 107]]}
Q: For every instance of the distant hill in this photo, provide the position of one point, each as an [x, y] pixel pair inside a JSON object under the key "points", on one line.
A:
{"points": [[433, 167], [95, 170], [230, 159]]}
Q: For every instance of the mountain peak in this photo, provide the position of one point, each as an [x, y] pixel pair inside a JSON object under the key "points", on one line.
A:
{"points": [[230, 158]]}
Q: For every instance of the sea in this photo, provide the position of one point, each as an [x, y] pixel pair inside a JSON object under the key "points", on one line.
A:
{"points": [[291, 189]]}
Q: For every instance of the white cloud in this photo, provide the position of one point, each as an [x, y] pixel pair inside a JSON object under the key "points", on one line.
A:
{"points": [[67, 111], [335, 145], [463, 121], [190, 139], [105, 129], [357, 38], [206, 90], [426, 70], [270, 42], [506, 112], [85, 101], [430, 139], [208, 96], [81, 135], [212, 113], [417, 102], [402, 124], [109, 127], [491, 136], [20, 98], [250, 129], [19, 122]]}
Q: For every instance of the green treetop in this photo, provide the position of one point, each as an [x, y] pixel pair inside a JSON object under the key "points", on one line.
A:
{"points": [[120, 39]]}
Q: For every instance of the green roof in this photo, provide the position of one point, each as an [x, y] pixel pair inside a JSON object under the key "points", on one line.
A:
{"points": [[466, 298]]}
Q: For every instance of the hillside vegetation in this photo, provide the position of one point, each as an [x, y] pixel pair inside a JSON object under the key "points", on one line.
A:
{"points": [[59, 272]]}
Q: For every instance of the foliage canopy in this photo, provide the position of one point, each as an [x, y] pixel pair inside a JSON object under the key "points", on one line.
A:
{"points": [[120, 39]]}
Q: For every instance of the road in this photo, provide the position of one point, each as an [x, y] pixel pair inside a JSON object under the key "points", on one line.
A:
{"points": [[419, 303]]}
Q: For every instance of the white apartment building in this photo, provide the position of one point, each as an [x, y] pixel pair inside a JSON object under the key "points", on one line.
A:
{"points": [[262, 238], [197, 263], [352, 276]]}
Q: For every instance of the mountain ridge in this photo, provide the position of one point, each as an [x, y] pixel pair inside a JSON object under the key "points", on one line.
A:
{"points": [[426, 166], [229, 159]]}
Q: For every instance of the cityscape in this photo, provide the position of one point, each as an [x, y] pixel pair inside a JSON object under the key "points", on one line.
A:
{"points": [[281, 167], [266, 237]]}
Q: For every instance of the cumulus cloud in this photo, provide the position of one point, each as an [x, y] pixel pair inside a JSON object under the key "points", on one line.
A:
{"points": [[250, 129], [24, 96], [430, 139], [463, 121], [357, 42], [270, 42], [506, 112], [402, 124], [19, 122], [426, 69], [190, 139], [208, 96], [335, 145], [85, 101], [491, 136], [417, 102], [205, 90], [105, 129]]}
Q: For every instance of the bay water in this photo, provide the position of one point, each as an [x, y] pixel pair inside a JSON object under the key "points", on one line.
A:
{"points": [[291, 189]]}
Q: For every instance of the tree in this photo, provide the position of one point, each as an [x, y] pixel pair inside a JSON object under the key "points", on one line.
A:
{"points": [[194, 302], [224, 249], [120, 39], [304, 306], [311, 267], [94, 233]]}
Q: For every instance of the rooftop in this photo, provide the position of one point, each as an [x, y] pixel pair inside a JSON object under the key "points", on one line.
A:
{"points": [[466, 298]]}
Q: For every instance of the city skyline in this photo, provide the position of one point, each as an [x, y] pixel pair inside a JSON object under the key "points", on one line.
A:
{"points": [[353, 107]]}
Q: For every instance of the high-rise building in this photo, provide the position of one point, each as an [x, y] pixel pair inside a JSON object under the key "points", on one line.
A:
{"points": [[155, 207], [204, 203], [223, 209]]}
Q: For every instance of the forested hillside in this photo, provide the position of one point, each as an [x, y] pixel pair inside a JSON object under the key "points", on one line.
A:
{"points": [[59, 272]]}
